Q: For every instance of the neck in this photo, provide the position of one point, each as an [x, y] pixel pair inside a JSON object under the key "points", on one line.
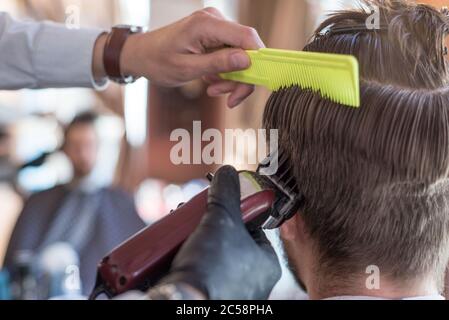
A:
{"points": [[386, 289], [78, 180], [85, 183]]}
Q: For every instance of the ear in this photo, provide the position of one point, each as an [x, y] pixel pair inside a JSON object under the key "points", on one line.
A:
{"points": [[291, 229]]}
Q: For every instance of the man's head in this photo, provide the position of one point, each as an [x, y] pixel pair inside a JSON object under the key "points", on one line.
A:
{"points": [[375, 179], [81, 144]]}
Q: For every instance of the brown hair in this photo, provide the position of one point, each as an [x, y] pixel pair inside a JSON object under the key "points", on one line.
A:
{"points": [[375, 179], [408, 50], [84, 118]]}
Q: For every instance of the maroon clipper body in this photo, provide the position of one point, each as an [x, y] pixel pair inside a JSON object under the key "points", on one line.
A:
{"points": [[142, 260]]}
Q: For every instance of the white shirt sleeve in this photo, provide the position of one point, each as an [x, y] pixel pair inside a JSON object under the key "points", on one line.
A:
{"points": [[45, 55]]}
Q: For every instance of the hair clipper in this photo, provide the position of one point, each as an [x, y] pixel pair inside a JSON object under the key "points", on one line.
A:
{"points": [[142, 260]]}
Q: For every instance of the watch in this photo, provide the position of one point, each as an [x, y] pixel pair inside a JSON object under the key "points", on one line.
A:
{"points": [[113, 50]]}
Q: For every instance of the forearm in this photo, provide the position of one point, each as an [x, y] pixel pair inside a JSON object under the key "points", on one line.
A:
{"points": [[42, 54], [98, 69]]}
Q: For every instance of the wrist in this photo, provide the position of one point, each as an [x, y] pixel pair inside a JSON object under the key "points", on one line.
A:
{"points": [[131, 58], [121, 54], [98, 69]]}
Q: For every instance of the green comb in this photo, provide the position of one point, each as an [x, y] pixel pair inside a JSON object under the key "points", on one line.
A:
{"points": [[334, 76]]}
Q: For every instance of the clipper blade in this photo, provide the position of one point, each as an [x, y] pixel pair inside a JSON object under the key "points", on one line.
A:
{"points": [[289, 198]]}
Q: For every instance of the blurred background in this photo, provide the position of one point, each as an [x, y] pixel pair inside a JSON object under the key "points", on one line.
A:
{"points": [[135, 122]]}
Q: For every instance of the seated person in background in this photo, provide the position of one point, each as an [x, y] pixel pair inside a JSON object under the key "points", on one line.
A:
{"points": [[92, 219], [375, 219]]}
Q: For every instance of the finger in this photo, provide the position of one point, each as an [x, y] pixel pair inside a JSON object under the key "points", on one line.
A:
{"points": [[262, 241], [220, 61], [220, 88], [212, 78], [241, 92], [229, 33], [215, 12], [260, 237], [224, 194]]}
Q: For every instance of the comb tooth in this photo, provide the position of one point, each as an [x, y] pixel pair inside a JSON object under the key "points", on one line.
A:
{"points": [[315, 82], [331, 75], [313, 76], [304, 77], [335, 77]]}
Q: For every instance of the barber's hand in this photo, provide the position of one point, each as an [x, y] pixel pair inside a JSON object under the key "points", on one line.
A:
{"points": [[222, 259], [194, 48]]}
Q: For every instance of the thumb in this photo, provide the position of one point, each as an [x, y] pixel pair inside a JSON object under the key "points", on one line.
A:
{"points": [[221, 61], [224, 194], [262, 241]]}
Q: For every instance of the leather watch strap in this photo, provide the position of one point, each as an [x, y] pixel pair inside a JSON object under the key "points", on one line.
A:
{"points": [[113, 51]]}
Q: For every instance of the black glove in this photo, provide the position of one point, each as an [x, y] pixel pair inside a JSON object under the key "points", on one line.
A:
{"points": [[222, 259]]}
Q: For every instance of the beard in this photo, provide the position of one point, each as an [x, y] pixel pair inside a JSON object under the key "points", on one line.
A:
{"points": [[292, 265]]}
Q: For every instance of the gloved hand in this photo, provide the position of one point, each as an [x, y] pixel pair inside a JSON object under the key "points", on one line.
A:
{"points": [[222, 259]]}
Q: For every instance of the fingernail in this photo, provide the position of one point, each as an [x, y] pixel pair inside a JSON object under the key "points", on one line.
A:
{"points": [[260, 43], [240, 60]]}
